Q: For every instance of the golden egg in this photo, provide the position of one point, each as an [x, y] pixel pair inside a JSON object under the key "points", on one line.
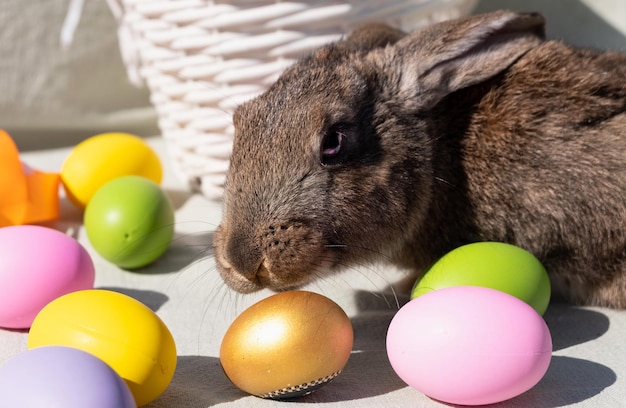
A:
{"points": [[287, 345]]}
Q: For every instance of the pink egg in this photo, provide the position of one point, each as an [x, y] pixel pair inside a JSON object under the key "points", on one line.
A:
{"points": [[469, 345], [37, 265]]}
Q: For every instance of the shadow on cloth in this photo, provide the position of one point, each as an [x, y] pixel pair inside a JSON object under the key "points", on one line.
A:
{"points": [[198, 382], [568, 381], [183, 251], [153, 299], [571, 325]]}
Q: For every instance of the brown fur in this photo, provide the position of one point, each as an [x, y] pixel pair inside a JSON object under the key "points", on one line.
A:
{"points": [[471, 130]]}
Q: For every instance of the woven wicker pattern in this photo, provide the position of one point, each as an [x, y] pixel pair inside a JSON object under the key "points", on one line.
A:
{"points": [[202, 58]]}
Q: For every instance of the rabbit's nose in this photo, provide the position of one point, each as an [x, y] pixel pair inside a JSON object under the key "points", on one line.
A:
{"points": [[244, 257]]}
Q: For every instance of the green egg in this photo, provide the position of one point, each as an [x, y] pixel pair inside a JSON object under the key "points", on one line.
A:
{"points": [[494, 265], [130, 221]]}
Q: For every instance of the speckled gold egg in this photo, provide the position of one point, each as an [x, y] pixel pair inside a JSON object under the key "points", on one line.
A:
{"points": [[287, 345]]}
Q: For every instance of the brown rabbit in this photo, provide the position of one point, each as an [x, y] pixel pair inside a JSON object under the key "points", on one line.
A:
{"points": [[402, 147]]}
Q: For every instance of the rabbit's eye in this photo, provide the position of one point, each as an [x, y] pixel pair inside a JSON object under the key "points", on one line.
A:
{"points": [[332, 144]]}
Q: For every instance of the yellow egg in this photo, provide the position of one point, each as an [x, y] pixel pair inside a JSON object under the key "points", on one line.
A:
{"points": [[287, 345], [121, 331], [102, 158]]}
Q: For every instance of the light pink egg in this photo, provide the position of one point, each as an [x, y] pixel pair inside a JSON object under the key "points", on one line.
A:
{"points": [[37, 265], [469, 345]]}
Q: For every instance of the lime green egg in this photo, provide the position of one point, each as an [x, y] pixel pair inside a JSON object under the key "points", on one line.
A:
{"points": [[130, 221], [494, 265]]}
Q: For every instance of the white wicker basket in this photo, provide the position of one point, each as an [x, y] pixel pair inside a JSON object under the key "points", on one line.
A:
{"points": [[201, 58]]}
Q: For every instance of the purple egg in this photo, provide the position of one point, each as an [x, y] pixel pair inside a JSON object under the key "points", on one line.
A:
{"points": [[54, 376]]}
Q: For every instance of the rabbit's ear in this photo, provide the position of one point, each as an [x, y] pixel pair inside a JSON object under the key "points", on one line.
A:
{"points": [[452, 55], [371, 36], [362, 40]]}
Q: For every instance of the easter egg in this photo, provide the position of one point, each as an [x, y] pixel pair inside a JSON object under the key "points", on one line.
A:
{"points": [[130, 221], [495, 265], [102, 158], [61, 377], [469, 345], [37, 265], [121, 331], [287, 345]]}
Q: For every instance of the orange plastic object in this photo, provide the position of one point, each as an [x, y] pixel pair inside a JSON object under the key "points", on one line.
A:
{"points": [[27, 196]]}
